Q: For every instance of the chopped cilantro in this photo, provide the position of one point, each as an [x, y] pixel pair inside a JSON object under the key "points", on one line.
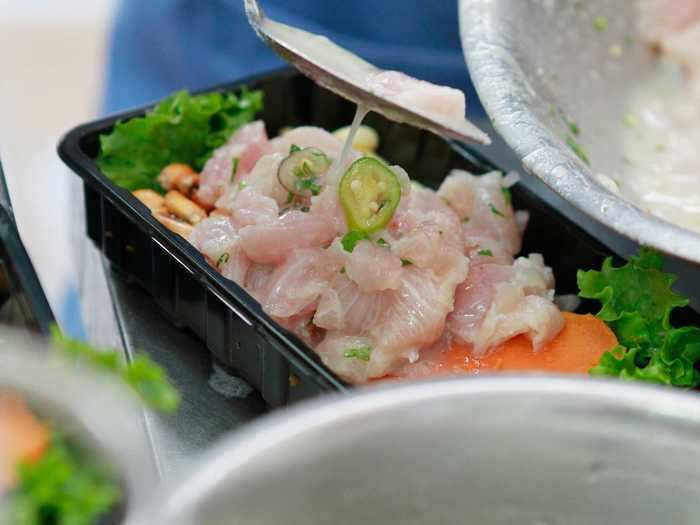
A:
{"points": [[600, 23], [507, 196], [308, 184], [578, 150], [495, 210], [485, 253], [294, 148], [223, 259], [362, 353], [234, 167], [350, 240], [405, 262], [382, 242]]}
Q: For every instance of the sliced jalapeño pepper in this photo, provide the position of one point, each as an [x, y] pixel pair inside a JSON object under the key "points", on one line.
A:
{"points": [[369, 193], [299, 173]]}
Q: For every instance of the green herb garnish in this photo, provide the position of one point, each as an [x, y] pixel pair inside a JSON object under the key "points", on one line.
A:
{"points": [[507, 195], [350, 240], [294, 148], [182, 128], [405, 262], [600, 23], [485, 253], [630, 120], [234, 168], [309, 184], [578, 150], [145, 377], [495, 210], [62, 488], [636, 302], [573, 127], [382, 242], [223, 259], [362, 353]]}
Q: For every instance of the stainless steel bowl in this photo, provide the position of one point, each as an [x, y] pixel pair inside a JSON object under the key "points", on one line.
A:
{"points": [[528, 56], [89, 408], [486, 451]]}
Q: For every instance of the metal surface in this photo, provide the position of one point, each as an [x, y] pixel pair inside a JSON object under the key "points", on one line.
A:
{"points": [[76, 399], [531, 56], [346, 74], [485, 451], [118, 314]]}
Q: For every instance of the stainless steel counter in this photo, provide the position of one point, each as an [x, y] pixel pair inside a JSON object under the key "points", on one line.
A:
{"points": [[121, 315]]}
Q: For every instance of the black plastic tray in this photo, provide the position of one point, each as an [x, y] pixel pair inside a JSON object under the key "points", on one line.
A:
{"points": [[22, 299], [230, 322]]}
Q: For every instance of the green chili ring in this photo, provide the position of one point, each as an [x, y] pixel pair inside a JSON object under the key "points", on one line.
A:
{"points": [[369, 193]]}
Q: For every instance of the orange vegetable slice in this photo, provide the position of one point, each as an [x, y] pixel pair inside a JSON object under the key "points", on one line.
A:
{"points": [[22, 436], [577, 348]]}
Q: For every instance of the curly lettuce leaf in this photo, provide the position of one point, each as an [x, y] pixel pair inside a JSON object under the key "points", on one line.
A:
{"points": [[62, 488], [182, 128], [636, 302]]}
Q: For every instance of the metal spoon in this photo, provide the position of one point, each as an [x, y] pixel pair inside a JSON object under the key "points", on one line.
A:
{"points": [[345, 74]]}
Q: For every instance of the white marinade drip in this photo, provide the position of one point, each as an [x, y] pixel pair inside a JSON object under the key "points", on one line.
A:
{"points": [[335, 171]]}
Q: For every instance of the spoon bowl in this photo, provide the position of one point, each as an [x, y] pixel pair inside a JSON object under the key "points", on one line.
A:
{"points": [[345, 74]]}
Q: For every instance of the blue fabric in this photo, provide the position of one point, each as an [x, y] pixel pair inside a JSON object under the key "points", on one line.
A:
{"points": [[69, 317], [159, 46]]}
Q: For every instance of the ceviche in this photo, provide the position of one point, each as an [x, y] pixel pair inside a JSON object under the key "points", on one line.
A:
{"points": [[384, 278]]}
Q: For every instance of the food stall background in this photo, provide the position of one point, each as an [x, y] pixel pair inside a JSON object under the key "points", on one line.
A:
{"points": [[52, 55]]}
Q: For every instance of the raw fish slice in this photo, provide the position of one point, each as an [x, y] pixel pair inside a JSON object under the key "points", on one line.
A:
{"points": [[429, 233], [305, 137], [343, 306], [295, 287], [488, 220], [213, 236], [326, 207], [333, 349], [217, 239], [250, 208], [271, 243], [302, 326], [499, 301], [394, 324], [262, 179], [417, 315], [422, 206], [247, 145], [428, 246], [418, 94], [373, 267], [256, 279]]}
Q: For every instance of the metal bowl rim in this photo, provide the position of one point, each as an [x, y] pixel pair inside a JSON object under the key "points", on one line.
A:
{"points": [[499, 86], [242, 448]]}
